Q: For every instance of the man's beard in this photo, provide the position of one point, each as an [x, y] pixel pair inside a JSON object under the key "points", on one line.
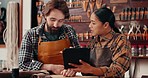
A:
{"points": [[53, 30]]}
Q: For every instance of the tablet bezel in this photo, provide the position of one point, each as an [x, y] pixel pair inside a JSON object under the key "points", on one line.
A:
{"points": [[73, 55]]}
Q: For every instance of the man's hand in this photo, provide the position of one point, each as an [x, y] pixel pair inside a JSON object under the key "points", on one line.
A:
{"points": [[56, 69], [68, 73]]}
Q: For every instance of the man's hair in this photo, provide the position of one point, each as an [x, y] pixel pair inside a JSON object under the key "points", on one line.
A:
{"points": [[56, 4]]}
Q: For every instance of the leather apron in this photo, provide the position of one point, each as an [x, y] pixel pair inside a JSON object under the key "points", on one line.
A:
{"points": [[51, 52], [101, 56]]}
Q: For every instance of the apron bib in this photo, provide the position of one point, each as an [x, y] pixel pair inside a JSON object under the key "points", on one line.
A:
{"points": [[51, 52], [102, 56]]}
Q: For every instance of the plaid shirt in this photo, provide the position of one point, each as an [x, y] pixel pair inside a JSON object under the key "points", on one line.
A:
{"points": [[29, 46], [121, 57]]}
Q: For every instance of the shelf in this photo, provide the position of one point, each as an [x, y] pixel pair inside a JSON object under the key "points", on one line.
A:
{"points": [[143, 42], [2, 46], [139, 57], [74, 7], [144, 20], [138, 42], [84, 41], [75, 22]]}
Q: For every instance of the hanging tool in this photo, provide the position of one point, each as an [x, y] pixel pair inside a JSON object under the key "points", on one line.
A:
{"points": [[99, 3], [114, 8], [92, 5], [145, 33], [131, 31], [130, 13], [121, 28], [138, 32]]}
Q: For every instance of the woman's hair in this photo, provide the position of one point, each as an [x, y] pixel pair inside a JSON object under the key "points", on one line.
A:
{"points": [[106, 15], [2, 13], [56, 4]]}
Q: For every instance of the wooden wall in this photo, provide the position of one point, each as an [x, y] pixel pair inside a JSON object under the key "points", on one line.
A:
{"points": [[82, 27]]}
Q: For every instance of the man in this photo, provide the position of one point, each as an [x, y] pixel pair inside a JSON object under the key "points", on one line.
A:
{"points": [[42, 46]]}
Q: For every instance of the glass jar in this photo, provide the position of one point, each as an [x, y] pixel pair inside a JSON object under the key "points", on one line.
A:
{"points": [[146, 50], [141, 50], [134, 50]]}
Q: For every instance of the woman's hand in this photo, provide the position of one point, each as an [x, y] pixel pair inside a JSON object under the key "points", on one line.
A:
{"points": [[68, 73], [84, 68]]}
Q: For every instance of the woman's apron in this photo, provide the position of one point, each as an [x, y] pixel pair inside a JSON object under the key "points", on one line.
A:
{"points": [[51, 52], [102, 56]]}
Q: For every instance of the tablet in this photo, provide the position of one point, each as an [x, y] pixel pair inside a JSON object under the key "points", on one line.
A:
{"points": [[73, 55]]}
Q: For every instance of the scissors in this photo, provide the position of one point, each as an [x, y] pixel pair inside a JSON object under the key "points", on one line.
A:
{"points": [[145, 33], [138, 32], [131, 31], [121, 28]]}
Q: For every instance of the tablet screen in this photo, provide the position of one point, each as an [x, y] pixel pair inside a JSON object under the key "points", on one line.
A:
{"points": [[73, 55]]}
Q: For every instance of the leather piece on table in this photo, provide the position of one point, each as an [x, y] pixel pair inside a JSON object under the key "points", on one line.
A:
{"points": [[22, 74]]}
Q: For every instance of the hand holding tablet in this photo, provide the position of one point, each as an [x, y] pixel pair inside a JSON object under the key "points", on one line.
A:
{"points": [[73, 55]]}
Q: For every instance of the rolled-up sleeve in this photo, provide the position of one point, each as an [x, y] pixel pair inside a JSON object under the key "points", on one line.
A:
{"points": [[121, 59], [26, 55]]}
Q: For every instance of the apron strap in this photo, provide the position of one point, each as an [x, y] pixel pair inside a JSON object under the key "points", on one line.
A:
{"points": [[108, 42], [66, 36], [114, 40], [40, 40], [114, 36]]}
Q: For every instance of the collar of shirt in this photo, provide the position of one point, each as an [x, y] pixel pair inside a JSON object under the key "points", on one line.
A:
{"points": [[107, 37], [40, 29]]}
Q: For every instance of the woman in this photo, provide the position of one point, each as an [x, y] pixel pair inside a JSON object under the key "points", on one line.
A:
{"points": [[110, 51]]}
